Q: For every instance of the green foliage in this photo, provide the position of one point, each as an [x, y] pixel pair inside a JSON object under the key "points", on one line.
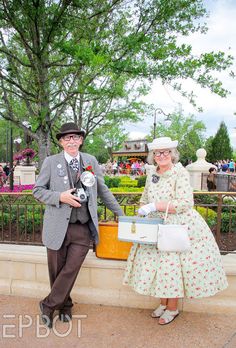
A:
{"points": [[92, 59], [104, 140], [209, 215], [129, 210], [112, 181], [126, 189], [188, 131], [141, 180], [123, 183], [126, 181], [220, 147], [205, 199], [228, 222], [208, 146], [23, 216]]}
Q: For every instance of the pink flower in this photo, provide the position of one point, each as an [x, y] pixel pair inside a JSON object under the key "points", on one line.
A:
{"points": [[28, 153]]}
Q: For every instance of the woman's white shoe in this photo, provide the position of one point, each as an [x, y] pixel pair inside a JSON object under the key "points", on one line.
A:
{"points": [[158, 311], [168, 316]]}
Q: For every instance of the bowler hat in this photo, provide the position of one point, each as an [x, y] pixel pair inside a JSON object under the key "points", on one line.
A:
{"points": [[163, 143], [69, 128]]}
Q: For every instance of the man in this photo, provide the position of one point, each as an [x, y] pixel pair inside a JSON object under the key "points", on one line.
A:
{"points": [[70, 222]]}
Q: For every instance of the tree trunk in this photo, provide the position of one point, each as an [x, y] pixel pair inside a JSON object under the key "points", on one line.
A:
{"points": [[44, 147]]}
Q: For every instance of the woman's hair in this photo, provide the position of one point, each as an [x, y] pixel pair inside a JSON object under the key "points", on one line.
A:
{"points": [[174, 156], [211, 169]]}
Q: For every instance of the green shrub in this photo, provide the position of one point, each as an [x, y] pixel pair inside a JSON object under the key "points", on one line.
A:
{"points": [[141, 180], [126, 189], [112, 181], [209, 215], [126, 181], [24, 215], [225, 222], [26, 222], [205, 199]]}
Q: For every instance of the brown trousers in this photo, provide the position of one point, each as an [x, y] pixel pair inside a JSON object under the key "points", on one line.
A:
{"points": [[64, 265]]}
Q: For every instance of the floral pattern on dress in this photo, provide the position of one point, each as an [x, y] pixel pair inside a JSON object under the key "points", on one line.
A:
{"points": [[196, 273]]}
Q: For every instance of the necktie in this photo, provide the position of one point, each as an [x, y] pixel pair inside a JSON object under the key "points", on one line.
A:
{"points": [[74, 164]]}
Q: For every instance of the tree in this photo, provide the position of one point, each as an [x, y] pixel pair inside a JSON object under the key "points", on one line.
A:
{"points": [[87, 59], [221, 147], [209, 148], [187, 131], [104, 140]]}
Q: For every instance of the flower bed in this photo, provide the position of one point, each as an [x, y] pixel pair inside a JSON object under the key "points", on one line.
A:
{"points": [[17, 188]]}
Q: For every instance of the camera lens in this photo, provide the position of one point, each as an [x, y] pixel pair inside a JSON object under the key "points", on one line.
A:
{"points": [[82, 196]]}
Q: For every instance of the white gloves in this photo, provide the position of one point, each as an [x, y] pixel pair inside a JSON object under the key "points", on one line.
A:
{"points": [[147, 208]]}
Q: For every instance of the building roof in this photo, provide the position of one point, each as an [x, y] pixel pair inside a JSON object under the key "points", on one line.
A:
{"points": [[132, 148]]}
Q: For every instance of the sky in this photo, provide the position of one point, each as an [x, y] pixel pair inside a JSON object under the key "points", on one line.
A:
{"points": [[221, 36]]}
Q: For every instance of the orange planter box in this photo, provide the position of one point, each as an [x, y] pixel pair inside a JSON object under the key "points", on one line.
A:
{"points": [[109, 246]]}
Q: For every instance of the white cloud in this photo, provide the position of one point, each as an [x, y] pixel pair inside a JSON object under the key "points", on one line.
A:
{"points": [[137, 135]]}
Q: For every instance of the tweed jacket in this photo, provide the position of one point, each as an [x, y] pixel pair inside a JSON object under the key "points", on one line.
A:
{"points": [[52, 180]]}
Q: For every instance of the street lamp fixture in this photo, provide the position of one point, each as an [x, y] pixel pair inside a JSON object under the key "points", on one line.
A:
{"points": [[167, 120], [28, 138], [17, 143]]}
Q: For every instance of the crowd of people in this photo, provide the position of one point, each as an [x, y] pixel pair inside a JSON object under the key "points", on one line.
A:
{"points": [[129, 167], [226, 166]]}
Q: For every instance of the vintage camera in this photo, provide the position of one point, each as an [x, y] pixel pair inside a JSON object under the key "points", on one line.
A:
{"points": [[81, 194]]}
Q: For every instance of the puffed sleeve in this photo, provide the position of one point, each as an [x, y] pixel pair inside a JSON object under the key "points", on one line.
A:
{"points": [[183, 200]]}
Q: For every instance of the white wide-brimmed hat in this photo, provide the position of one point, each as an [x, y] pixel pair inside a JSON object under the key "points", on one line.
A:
{"points": [[163, 143]]}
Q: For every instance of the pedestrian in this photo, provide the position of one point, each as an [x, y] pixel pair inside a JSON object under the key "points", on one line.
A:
{"points": [[211, 179], [70, 218], [172, 275], [231, 166]]}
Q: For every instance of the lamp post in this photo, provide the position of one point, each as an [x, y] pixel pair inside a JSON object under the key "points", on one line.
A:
{"points": [[17, 143], [28, 138], [167, 119], [11, 161]]}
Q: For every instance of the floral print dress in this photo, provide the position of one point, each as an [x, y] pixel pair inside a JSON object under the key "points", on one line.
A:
{"points": [[195, 273]]}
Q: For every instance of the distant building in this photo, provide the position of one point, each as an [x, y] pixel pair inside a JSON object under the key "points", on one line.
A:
{"points": [[132, 148]]}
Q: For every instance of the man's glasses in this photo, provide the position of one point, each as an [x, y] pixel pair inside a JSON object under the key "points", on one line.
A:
{"points": [[75, 137], [164, 153]]}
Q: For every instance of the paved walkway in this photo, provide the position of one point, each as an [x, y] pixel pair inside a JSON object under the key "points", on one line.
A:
{"points": [[112, 327]]}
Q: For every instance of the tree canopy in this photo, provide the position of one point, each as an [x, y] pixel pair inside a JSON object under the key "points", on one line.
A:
{"points": [[89, 60], [187, 130], [219, 146]]}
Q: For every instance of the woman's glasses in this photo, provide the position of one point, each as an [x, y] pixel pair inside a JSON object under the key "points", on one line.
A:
{"points": [[164, 153], [75, 137]]}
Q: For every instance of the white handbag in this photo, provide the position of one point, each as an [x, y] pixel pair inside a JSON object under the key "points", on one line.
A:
{"points": [[172, 237], [138, 230]]}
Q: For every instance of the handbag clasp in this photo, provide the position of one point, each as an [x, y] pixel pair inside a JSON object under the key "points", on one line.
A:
{"points": [[133, 227]]}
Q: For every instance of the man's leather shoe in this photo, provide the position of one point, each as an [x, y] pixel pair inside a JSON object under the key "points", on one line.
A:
{"points": [[65, 315], [46, 315]]}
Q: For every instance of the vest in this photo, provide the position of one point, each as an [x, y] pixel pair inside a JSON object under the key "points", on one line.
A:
{"points": [[78, 214]]}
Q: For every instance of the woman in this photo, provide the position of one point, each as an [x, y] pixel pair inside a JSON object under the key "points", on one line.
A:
{"points": [[2, 176], [171, 275], [211, 179]]}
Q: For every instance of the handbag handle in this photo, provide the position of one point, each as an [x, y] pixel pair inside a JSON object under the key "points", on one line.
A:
{"points": [[167, 209]]}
